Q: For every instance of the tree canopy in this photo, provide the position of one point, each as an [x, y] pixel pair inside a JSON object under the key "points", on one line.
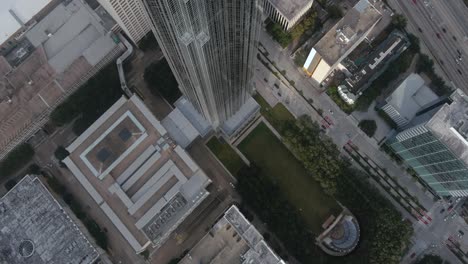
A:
{"points": [[431, 259], [368, 126], [159, 78]]}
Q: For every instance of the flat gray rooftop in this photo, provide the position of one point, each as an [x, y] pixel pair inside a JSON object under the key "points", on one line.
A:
{"points": [[35, 229], [342, 38], [410, 96], [289, 8], [232, 240], [450, 125]]}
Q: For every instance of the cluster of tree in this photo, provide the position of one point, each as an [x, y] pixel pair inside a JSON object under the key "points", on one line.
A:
{"points": [[334, 11], [383, 233], [60, 154], [283, 37], [159, 78], [148, 42], [317, 153], [90, 101], [397, 67], [368, 126], [272, 207], [93, 228], [306, 24], [16, 159], [426, 65], [399, 21], [278, 34], [431, 259]]}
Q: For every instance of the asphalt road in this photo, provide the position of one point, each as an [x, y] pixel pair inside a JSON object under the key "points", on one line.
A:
{"points": [[442, 26]]}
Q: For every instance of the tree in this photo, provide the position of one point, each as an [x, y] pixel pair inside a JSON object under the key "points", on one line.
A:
{"points": [[425, 64], [278, 34], [61, 153], [414, 43], [148, 42], [368, 126], [399, 21], [159, 78], [16, 159], [10, 184], [334, 11], [431, 259]]}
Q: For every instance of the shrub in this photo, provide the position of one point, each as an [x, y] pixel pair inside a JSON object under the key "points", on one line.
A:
{"points": [[16, 159], [61, 153], [334, 11], [278, 34], [368, 126], [10, 184]]}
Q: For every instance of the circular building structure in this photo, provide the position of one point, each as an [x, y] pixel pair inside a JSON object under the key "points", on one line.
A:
{"points": [[26, 248], [341, 237]]}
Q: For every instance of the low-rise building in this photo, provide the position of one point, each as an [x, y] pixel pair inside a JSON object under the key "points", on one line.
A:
{"points": [[327, 55], [36, 229], [233, 239], [436, 146], [409, 98], [287, 13], [143, 182]]}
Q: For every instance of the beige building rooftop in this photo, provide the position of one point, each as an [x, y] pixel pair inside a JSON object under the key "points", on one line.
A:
{"points": [[144, 182], [342, 38]]}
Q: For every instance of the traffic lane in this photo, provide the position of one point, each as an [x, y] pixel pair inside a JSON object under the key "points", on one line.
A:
{"points": [[431, 15], [428, 36], [445, 48]]}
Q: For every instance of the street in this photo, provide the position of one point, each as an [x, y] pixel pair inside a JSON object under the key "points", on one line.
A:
{"points": [[343, 128], [442, 27]]}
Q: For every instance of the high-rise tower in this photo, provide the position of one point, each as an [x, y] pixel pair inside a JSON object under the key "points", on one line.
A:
{"points": [[210, 46], [130, 16]]}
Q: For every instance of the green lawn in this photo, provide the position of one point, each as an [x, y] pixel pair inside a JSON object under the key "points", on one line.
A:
{"points": [[226, 155], [276, 115], [278, 163]]}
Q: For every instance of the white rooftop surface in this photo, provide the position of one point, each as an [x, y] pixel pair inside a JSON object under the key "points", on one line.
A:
{"points": [[144, 182], [24, 9], [450, 125], [246, 112], [290, 8], [180, 129], [232, 240], [35, 229], [70, 31], [410, 96]]}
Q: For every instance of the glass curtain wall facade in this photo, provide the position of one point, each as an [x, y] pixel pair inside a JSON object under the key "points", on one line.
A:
{"points": [[211, 46], [432, 160]]}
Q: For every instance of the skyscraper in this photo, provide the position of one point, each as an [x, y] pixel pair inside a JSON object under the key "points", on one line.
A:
{"points": [[130, 16], [436, 148], [210, 46]]}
